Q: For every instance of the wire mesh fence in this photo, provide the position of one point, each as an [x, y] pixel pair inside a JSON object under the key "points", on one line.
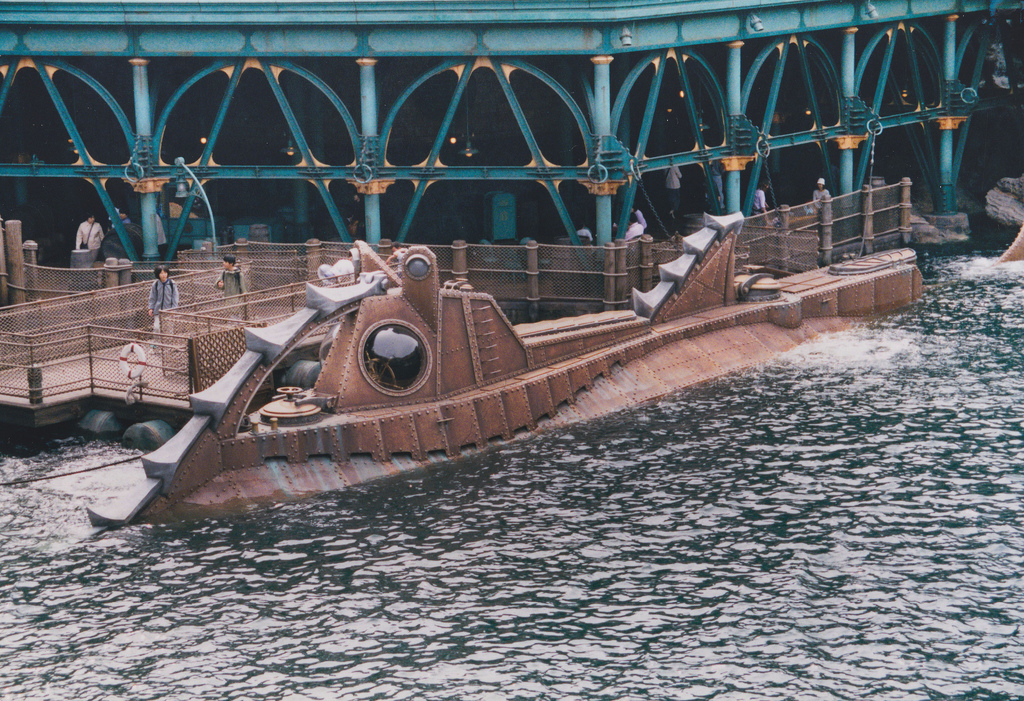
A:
{"points": [[71, 337]]}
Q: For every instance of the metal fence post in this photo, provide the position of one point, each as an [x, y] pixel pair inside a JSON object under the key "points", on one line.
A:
{"points": [[783, 210], [35, 378], [621, 273], [15, 262], [869, 219], [609, 275], [88, 346], [31, 254], [905, 228], [460, 260], [825, 230], [646, 262], [4, 298], [532, 279], [314, 251]]}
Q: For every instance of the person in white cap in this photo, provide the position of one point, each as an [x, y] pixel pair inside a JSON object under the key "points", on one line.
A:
{"points": [[820, 192]]}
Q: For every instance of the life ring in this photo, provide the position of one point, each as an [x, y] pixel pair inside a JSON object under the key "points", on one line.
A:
{"points": [[134, 370]]}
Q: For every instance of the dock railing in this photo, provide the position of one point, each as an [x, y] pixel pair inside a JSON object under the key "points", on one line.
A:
{"points": [[59, 345]]}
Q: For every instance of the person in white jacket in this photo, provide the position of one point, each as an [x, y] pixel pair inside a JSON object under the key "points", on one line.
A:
{"points": [[90, 234]]}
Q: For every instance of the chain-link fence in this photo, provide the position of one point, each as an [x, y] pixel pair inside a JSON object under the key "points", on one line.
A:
{"points": [[885, 202]]}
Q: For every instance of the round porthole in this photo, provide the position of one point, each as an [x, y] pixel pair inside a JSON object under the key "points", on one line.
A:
{"points": [[417, 266], [394, 358]]}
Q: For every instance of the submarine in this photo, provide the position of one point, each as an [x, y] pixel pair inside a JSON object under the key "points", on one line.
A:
{"points": [[417, 372]]}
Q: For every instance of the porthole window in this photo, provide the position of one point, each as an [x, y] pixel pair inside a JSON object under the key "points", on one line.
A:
{"points": [[394, 357], [417, 266]]}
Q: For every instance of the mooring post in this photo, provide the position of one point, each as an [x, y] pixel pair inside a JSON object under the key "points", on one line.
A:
{"points": [[459, 269], [869, 219], [31, 257], [825, 230], [314, 251], [646, 262], [15, 262], [783, 211], [111, 273], [384, 248], [532, 279], [124, 272], [609, 275], [241, 248], [905, 228]]}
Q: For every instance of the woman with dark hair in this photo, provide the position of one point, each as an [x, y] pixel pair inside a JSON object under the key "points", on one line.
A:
{"points": [[162, 295]]}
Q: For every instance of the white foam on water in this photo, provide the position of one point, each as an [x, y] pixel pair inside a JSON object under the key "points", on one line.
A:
{"points": [[52, 511], [862, 347], [978, 268]]}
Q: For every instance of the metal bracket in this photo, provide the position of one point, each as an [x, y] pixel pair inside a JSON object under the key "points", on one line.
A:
{"points": [[743, 135], [855, 114]]}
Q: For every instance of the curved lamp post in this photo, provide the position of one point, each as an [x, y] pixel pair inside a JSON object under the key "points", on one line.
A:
{"points": [[183, 191]]}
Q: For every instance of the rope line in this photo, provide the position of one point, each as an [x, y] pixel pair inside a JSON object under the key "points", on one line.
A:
{"points": [[67, 474]]}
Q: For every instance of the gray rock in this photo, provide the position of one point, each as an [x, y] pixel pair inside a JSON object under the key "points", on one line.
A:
{"points": [[1005, 202]]}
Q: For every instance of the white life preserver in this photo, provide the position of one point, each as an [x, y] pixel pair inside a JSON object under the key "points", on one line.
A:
{"points": [[134, 370]]}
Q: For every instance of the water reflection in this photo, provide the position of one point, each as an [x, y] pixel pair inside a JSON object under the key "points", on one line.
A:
{"points": [[842, 523]]}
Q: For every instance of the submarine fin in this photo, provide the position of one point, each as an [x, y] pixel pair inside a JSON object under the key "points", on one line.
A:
{"points": [[725, 224], [700, 243], [676, 271], [163, 462], [124, 509], [647, 304], [214, 400]]}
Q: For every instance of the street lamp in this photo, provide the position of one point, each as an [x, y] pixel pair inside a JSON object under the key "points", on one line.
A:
{"points": [[183, 190]]}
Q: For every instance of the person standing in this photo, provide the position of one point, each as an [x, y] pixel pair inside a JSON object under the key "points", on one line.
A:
{"points": [[163, 295], [760, 201], [90, 234], [819, 192], [231, 280], [637, 226], [672, 176]]}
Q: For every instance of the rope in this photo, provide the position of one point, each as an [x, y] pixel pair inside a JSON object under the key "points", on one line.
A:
{"points": [[67, 474]]}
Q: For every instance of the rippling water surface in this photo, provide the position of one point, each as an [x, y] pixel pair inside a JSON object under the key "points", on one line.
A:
{"points": [[843, 523]]}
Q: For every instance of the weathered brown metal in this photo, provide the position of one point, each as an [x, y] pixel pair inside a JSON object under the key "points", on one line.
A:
{"points": [[483, 380]]}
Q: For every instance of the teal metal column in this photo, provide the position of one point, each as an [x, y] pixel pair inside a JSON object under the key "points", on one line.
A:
{"points": [[733, 103], [603, 127], [849, 68], [368, 103], [144, 133], [946, 184]]}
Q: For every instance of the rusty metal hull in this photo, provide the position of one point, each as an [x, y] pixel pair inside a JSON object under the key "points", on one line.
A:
{"points": [[477, 380]]}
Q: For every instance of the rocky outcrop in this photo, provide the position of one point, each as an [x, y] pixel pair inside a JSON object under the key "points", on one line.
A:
{"points": [[936, 230], [1005, 202]]}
